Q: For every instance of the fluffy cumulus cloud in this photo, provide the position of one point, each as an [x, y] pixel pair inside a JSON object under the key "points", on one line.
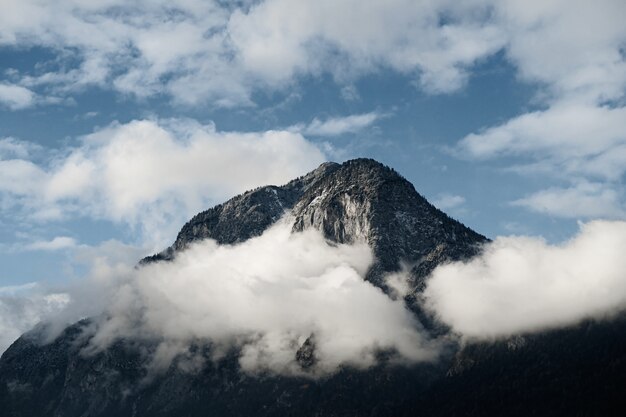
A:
{"points": [[208, 50], [150, 174], [278, 38], [573, 47], [16, 97], [266, 296], [523, 284]]}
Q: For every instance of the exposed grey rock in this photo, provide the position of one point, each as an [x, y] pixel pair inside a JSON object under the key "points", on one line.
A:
{"points": [[244, 216], [305, 355]]}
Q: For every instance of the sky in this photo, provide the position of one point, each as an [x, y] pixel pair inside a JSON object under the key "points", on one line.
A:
{"points": [[121, 120]]}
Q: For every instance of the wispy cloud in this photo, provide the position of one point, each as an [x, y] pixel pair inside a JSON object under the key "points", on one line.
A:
{"points": [[350, 93], [15, 289], [57, 243], [335, 126], [448, 201], [580, 201]]}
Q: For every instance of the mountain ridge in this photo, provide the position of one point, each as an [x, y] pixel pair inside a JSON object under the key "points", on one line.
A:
{"points": [[359, 199]]}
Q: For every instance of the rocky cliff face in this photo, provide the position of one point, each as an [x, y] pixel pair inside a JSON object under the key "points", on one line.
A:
{"points": [[577, 371]]}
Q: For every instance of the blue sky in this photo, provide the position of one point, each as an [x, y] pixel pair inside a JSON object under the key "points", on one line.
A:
{"points": [[119, 122]]}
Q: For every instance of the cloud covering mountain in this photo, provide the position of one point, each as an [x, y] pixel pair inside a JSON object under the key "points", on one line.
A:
{"points": [[266, 296], [522, 284]]}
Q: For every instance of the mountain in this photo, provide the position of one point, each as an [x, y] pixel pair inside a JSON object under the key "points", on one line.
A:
{"points": [[580, 370], [360, 199]]}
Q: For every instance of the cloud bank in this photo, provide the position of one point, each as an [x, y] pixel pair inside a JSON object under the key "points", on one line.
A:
{"points": [[268, 295], [523, 284], [265, 296]]}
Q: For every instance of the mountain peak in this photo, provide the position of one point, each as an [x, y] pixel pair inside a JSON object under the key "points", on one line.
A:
{"points": [[358, 200], [364, 200], [361, 169]]}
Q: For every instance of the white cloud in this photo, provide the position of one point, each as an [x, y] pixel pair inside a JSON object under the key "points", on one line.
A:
{"points": [[20, 177], [58, 243], [522, 284], [336, 126], [280, 289], [16, 97], [577, 139], [572, 47], [154, 175], [278, 39], [266, 295], [448, 201], [583, 145], [15, 148], [16, 289], [583, 200]]}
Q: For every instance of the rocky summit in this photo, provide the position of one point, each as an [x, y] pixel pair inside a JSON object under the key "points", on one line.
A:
{"points": [[578, 371]]}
